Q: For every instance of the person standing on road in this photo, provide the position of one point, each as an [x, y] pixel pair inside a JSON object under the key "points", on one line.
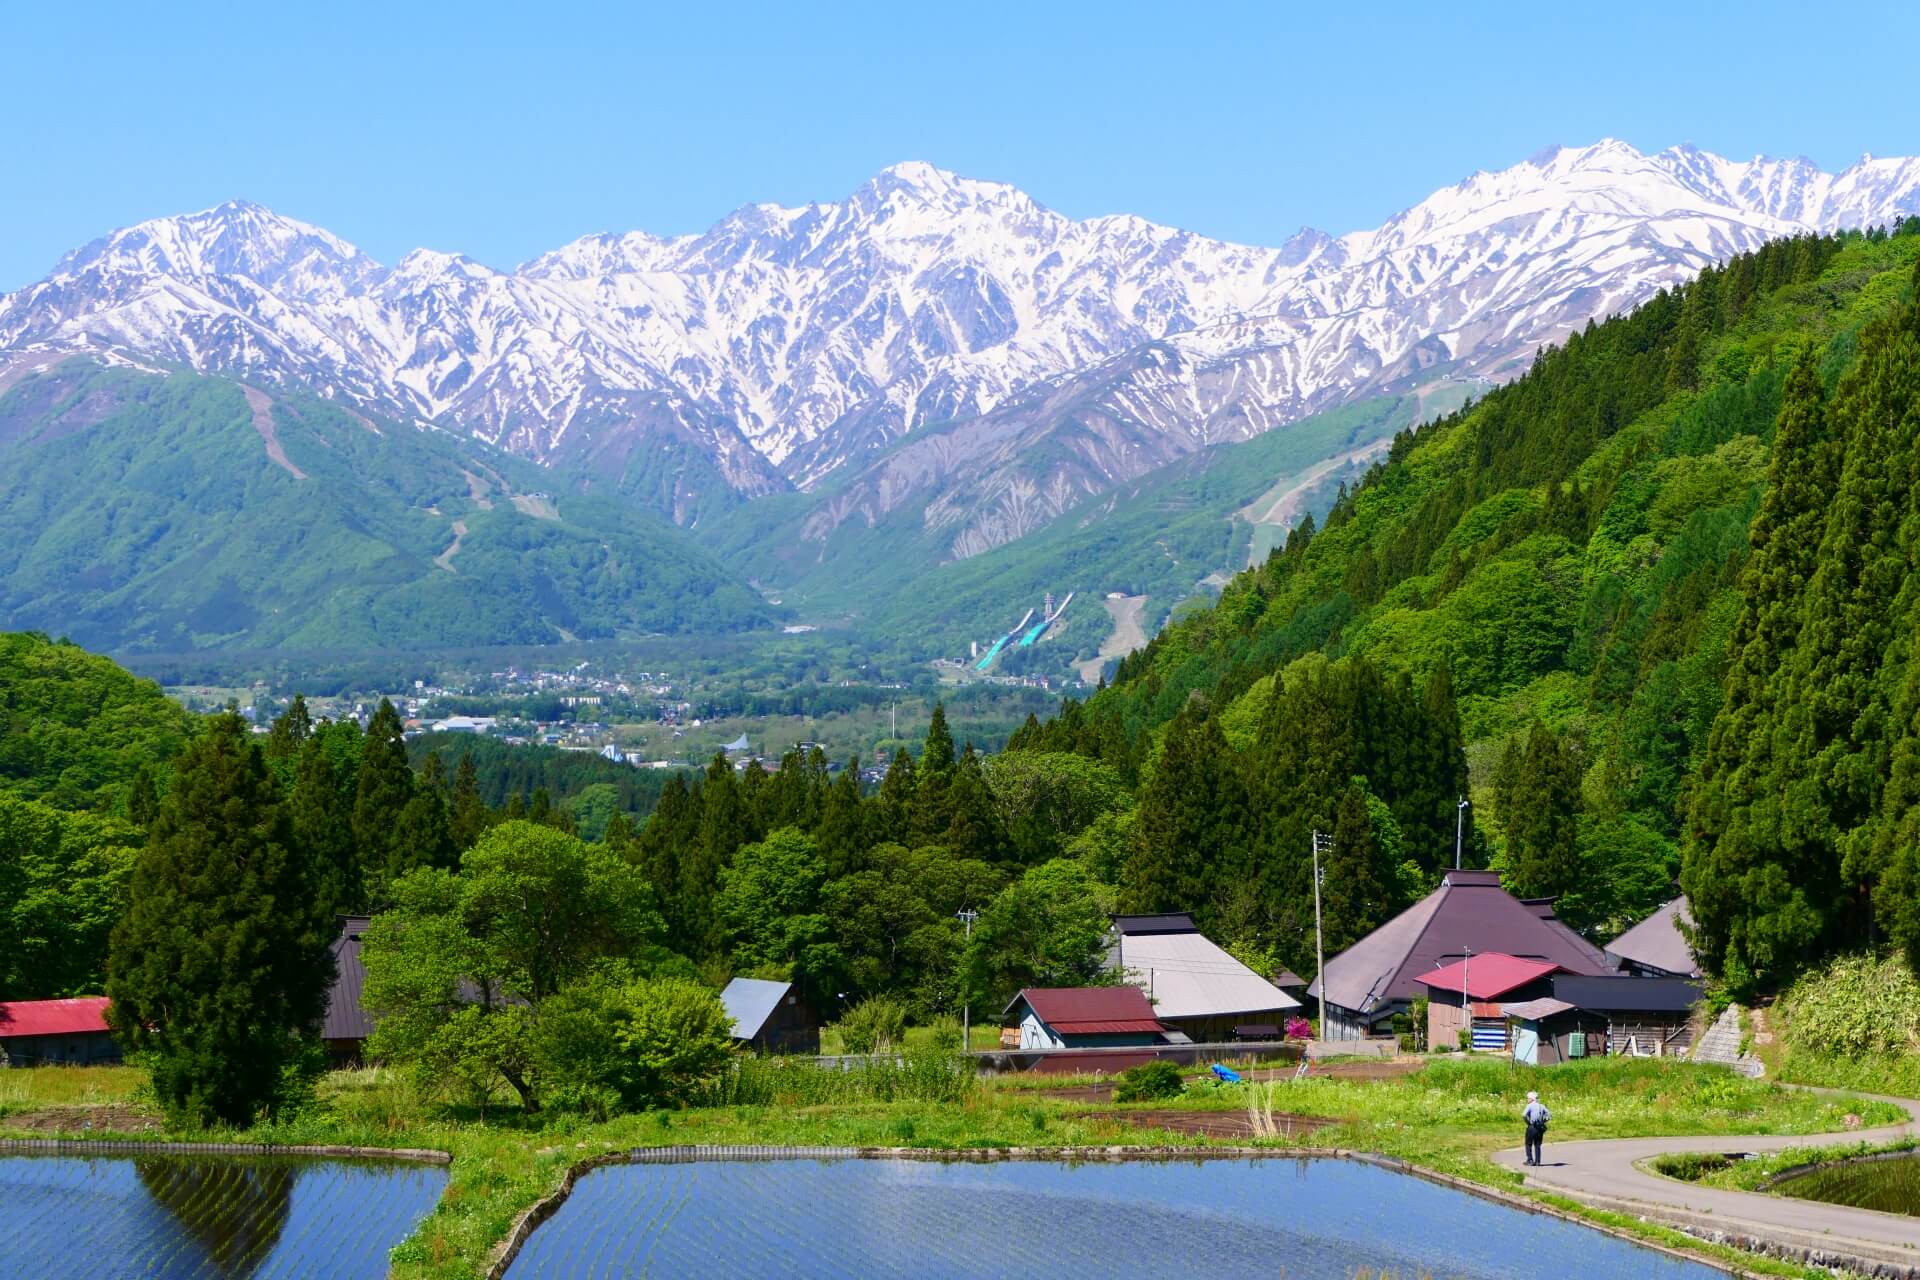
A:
{"points": [[1536, 1116]]}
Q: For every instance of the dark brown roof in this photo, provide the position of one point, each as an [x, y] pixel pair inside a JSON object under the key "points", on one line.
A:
{"points": [[346, 1020], [1469, 909], [1089, 1010]]}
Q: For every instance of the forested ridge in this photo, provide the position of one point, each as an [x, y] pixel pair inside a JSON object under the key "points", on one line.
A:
{"points": [[1659, 591]]}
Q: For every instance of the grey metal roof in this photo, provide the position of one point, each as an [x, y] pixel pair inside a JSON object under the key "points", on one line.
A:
{"points": [[1188, 976], [1534, 1010], [1657, 942], [1469, 909], [750, 1002], [346, 1019], [1617, 994]]}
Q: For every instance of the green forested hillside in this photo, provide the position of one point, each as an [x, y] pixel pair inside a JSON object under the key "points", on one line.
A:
{"points": [[1644, 674], [1158, 536], [168, 513]]}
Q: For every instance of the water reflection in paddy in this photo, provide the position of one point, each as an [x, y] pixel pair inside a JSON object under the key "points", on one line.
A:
{"points": [[207, 1217], [1889, 1184], [1312, 1218]]}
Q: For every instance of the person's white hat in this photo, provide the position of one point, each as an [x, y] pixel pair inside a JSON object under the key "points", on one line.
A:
{"points": [[1532, 1096]]}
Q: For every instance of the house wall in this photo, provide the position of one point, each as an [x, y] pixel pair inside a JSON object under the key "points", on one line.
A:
{"points": [[1664, 1035], [1218, 1028], [1035, 1034], [792, 1027], [1349, 1024], [79, 1049]]}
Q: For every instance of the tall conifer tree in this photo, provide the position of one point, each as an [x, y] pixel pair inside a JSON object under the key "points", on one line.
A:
{"points": [[221, 966]]}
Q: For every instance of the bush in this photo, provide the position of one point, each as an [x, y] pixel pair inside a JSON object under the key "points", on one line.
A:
{"points": [[654, 1043], [875, 1025], [1858, 1004], [944, 1033], [1148, 1082]]}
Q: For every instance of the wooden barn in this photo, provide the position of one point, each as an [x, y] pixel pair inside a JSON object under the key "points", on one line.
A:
{"points": [[347, 1024], [37, 1033], [1083, 1018], [771, 1017]]}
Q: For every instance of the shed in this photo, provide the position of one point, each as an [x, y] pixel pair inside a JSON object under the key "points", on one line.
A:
{"points": [[771, 1017], [347, 1024], [1656, 947], [1544, 1031], [1371, 981], [1082, 1018], [1645, 1017], [1484, 980], [73, 1032], [1193, 984]]}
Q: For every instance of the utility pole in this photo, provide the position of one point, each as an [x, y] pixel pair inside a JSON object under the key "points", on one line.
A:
{"points": [[1466, 994], [1459, 828], [969, 915], [1320, 842]]}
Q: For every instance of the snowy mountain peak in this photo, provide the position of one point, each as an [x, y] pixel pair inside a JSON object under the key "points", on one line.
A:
{"points": [[238, 238], [784, 344]]}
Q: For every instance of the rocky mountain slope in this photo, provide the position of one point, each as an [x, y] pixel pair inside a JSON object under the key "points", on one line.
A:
{"points": [[932, 344]]}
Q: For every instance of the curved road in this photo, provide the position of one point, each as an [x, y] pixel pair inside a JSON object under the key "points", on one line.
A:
{"points": [[1604, 1173]]}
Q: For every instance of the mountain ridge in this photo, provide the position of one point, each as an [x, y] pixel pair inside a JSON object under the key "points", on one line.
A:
{"points": [[785, 345]]}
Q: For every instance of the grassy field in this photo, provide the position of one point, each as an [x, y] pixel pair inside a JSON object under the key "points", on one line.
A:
{"points": [[1448, 1117]]}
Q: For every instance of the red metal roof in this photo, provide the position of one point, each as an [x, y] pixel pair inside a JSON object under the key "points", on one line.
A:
{"points": [[1488, 976], [1091, 1010], [52, 1017]]}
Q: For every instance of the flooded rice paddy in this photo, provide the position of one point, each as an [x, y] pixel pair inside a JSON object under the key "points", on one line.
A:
{"points": [[172, 1217], [1297, 1218], [1890, 1184]]}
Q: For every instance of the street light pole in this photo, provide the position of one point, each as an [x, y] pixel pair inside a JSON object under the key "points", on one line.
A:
{"points": [[1319, 937], [1459, 828], [969, 915]]}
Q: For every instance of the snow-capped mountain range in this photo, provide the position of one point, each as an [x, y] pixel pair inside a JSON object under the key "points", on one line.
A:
{"points": [[787, 345]]}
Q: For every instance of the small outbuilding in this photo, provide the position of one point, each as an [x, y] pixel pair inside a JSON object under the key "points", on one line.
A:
{"points": [[347, 1024], [771, 1017], [1083, 1018], [1645, 1017], [36, 1033]]}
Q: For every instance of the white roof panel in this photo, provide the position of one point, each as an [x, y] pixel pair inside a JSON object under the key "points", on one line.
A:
{"points": [[1187, 976]]}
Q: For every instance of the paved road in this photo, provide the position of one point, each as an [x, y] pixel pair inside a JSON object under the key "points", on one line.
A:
{"points": [[1602, 1172]]}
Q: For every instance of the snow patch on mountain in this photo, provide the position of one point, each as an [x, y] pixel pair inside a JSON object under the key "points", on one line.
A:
{"points": [[786, 344]]}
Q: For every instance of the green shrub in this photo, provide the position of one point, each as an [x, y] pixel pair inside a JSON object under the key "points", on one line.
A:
{"points": [[875, 1025], [1148, 1082], [658, 1042], [1857, 1004]]}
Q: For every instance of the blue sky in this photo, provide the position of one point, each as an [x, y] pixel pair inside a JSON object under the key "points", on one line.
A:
{"points": [[502, 131]]}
